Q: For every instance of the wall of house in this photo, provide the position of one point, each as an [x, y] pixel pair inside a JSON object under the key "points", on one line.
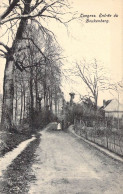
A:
{"points": [[114, 114]]}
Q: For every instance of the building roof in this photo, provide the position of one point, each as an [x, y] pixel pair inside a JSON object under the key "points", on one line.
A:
{"points": [[113, 106]]}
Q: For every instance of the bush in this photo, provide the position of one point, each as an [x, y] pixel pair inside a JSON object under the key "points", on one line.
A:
{"points": [[100, 132]]}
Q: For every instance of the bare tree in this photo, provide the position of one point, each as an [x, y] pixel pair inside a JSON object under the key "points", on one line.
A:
{"points": [[94, 77]]}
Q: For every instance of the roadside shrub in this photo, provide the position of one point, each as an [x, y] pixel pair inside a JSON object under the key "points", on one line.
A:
{"points": [[99, 132]]}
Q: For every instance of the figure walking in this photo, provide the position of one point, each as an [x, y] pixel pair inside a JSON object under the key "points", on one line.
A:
{"points": [[59, 126]]}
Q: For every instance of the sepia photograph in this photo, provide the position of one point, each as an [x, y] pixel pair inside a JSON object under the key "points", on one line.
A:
{"points": [[61, 97]]}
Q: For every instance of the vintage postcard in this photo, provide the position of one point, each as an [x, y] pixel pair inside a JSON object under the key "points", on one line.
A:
{"points": [[61, 96]]}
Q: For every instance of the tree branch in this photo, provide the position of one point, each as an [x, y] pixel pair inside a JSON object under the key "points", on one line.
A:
{"points": [[5, 46], [24, 38], [9, 9]]}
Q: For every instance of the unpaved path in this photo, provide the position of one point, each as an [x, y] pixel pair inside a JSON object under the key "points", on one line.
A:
{"points": [[64, 164]]}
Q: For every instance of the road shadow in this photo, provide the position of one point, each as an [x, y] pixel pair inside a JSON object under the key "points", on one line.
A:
{"points": [[16, 178]]}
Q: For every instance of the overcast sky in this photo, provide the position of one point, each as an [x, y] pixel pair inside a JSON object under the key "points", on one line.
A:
{"points": [[103, 41]]}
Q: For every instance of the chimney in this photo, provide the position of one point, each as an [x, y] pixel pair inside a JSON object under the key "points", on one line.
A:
{"points": [[71, 98], [104, 103]]}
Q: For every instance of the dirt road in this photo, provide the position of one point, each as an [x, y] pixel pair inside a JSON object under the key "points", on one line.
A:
{"points": [[66, 165]]}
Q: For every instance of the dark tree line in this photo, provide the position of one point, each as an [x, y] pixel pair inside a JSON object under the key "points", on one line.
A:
{"points": [[17, 16], [37, 85]]}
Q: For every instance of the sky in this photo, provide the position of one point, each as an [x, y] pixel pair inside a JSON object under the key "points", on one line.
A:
{"points": [[103, 41]]}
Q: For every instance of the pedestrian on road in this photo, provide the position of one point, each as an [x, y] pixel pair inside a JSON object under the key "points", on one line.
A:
{"points": [[59, 126]]}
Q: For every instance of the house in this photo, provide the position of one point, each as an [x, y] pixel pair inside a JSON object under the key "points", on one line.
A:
{"points": [[113, 109]]}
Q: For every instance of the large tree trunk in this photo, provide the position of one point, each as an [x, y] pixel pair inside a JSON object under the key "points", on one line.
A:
{"points": [[56, 101], [8, 95], [24, 101], [16, 106], [36, 92], [21, 111], [50, 99], [8, 86], [31, 99]]}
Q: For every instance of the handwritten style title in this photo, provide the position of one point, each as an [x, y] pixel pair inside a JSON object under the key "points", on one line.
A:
{"points": [[101, 18]]}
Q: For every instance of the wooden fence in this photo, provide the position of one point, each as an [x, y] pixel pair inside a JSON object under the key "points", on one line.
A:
{"points": [[111, 139]]}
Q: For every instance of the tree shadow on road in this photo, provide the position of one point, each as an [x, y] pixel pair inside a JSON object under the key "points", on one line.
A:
{"points": [[18, 175]]}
